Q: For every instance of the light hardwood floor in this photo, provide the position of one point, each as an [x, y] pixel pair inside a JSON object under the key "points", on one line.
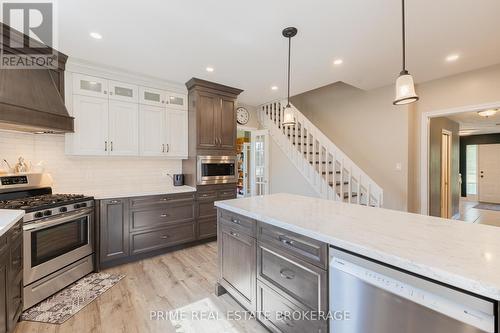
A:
{"points": [[165, 282], [480, 216]]}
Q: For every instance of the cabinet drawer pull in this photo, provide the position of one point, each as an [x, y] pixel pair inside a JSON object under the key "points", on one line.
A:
{"points": [[164, 199], [204, 195], [286, 241], [114, 202], [287, 274], [236, 221], [164, 215], [234, 234], [164, 237], [283, 318]]}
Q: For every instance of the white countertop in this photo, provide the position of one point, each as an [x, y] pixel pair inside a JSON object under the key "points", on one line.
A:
{"points": [[117, 193], [459, 254], [9, 217]]}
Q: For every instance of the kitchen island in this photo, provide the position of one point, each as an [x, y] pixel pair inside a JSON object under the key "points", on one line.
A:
{"points": [[462, 256]]}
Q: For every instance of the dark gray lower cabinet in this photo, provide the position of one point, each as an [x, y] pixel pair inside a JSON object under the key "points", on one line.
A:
{"points": [[238, 265], [133, 227], [114, 229], [11, 278], [275, 272], [206, 211], [3, 292]]}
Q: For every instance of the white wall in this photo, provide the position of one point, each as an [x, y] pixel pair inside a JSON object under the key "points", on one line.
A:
{"points": [[368, 128], [283, 176], [88, 175]]}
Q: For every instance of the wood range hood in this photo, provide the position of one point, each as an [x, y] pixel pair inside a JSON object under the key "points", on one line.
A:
{"points": [[32, 100]]}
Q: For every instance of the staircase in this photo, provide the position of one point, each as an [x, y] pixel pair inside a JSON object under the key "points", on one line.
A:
{"points": [[327, 169]]}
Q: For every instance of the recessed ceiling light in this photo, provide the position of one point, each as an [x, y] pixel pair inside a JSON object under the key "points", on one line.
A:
{"points": [[452, 57], [274, 88], [210, 69], [95, 35], [487, 113], [337, 62]]}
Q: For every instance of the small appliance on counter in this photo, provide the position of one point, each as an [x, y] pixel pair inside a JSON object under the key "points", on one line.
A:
{"points": [[178, 179]]}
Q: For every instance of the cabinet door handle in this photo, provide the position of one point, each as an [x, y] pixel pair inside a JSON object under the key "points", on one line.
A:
{"points": [[111, 93], [285, 240], [111, 145], [105, 92], [234, 234], [105, 145], [168, 147], [164, 237], [236, 221], [164, 199], [287, 274], [164, 215]]}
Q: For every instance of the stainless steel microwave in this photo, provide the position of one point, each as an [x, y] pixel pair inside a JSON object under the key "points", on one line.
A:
{"points": [[216, 170]]}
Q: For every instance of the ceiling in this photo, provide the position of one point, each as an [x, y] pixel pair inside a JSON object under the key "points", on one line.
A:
{"points": [[471, 123], [241, 40]]}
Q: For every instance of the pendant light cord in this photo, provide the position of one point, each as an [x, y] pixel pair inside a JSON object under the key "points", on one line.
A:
{"points": [[289, 54], [404, 36]]}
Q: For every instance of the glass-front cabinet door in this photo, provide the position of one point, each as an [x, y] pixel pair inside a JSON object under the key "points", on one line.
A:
{"points": [[90, 86], [123, 92], [151, 96], [177, 101]]}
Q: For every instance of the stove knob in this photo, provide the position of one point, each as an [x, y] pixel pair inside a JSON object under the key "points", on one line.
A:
{"points": [[38, 215], [47, 213], [83, 204], [76, 206], [63, 209]]}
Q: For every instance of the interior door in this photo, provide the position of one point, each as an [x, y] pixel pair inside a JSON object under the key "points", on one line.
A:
{"points": [[123, 128], [152, 136], [177, 129], [489, 173], [91, 125], [445, 174], [259, 164], [227, 123]]}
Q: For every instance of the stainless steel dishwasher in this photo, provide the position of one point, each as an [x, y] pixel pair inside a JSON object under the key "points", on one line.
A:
{"points": [[367, 297]]}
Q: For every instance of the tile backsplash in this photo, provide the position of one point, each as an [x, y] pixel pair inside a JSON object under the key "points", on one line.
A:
{"points": [[88, 175]]}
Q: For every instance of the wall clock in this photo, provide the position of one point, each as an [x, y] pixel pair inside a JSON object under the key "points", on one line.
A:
{"points": [[242, 115]]}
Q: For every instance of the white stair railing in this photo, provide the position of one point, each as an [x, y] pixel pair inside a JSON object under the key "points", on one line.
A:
{"points": [[328, 170]]}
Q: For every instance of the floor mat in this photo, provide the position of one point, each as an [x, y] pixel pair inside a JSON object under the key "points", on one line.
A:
{"points": [[65, 304], [488, 206]]}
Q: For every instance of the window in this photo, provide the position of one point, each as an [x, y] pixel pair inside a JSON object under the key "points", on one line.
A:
{"points": [[471, 177]]}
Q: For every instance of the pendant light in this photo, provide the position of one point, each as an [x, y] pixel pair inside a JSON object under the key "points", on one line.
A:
{"points": [[288, 118], [405, 87]]}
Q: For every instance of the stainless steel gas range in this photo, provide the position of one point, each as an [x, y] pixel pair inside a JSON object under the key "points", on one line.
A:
{"points": [[58, 234]]}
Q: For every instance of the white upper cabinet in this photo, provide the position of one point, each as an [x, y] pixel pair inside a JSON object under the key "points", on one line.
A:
{"points": [[152, 131], [151, 96], [91, 125], [177, 101], [125, 92], [90, 86], [177, 127], [119, 118], [123, 135]]}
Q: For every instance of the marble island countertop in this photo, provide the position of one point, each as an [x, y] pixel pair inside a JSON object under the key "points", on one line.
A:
{"points": [[114, 193], [456, 253], [9, 217]]}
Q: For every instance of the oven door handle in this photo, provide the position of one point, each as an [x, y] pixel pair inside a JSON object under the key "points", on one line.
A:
{"points": [[60, 220]]}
